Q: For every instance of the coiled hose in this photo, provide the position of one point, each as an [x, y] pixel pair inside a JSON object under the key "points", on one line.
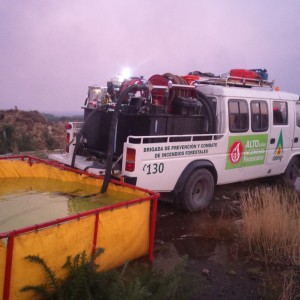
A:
{"points": [[200, 96], [212, 124]]}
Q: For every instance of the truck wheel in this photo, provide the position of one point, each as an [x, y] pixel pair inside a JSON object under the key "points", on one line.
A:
{"points": [[198, 190], [292, 172]]}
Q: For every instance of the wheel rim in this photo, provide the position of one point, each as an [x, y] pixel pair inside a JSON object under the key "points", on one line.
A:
{"points": [[294, 172], [199, 191]]}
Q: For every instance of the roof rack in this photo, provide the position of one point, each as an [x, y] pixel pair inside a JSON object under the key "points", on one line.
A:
{"points": [[227, 80]]}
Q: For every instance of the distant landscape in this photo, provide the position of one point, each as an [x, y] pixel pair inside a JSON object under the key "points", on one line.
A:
{"points": [[63, 113], [22, 131]]}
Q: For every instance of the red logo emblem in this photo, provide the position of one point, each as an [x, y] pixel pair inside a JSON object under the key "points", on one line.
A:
{"points": [[236, 152]]}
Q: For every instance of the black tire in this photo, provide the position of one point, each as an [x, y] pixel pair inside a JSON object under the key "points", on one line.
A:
{"points": [[198, 190], [291, 172]]}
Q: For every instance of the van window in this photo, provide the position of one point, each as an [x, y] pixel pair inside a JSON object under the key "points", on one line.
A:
{"points": [[238, 115], [298, 115], [259, 116], [280, 113]]}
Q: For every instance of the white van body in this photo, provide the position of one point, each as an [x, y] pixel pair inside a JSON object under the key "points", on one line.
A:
{"points": [[257, 135]]}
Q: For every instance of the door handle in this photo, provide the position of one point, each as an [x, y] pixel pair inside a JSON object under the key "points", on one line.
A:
{"points": [[296, 140], [272, 141]]}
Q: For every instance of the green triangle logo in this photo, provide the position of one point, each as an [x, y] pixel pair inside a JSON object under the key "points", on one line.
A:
{"points": [[279, 147]]}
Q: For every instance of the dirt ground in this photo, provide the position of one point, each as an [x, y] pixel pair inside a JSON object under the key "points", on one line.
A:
{"points": [[217, 258]]}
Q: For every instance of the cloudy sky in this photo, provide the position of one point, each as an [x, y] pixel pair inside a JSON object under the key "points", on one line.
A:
{"points": [[52, 50]]}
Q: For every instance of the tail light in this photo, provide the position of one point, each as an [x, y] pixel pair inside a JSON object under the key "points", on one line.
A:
{"points": [[130, 160], [68, 126]]}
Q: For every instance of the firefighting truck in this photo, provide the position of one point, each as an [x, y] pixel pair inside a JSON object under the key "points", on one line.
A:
{"points": [[187, 134]]}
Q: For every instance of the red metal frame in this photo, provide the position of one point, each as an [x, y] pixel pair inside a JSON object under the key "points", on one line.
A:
{"points": [[153, 197], [8, 264], [95, 234]]}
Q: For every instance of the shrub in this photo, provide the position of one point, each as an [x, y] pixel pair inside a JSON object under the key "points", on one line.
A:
{"points": [[84, 281], [6, 138], [24, 143], [50, 142]]}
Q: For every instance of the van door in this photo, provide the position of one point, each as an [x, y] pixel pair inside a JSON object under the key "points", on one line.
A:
{"points": [[247, 145], [281, 134]]}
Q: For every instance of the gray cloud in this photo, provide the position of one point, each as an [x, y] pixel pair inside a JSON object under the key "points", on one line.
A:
{"points": [[52, 50]]}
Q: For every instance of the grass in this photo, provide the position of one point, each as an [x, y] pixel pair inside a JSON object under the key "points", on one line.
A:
{"points": [[271, 232], [280, 285], [289, 286], [272, 225]]}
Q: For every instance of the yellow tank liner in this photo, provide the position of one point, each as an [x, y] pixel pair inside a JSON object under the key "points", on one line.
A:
{"points": [[124, 230]]}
